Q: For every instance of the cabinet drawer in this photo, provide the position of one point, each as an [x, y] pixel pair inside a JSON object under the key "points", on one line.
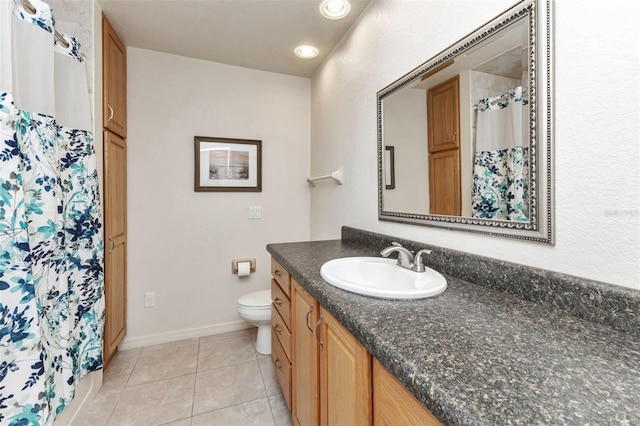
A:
{"points": [[282, 367], [281, 303], [282, 332], [281, 276]]}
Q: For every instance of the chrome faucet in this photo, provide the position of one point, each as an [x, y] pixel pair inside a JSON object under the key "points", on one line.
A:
{"points": [[406, 259]]}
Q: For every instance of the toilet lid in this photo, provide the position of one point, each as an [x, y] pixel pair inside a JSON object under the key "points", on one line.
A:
{"points": [[257, 299]]}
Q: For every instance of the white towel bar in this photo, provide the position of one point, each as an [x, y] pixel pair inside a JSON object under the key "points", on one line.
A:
{"points": [[337, 176]]}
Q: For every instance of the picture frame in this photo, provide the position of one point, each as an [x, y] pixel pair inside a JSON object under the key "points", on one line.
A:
{"points": [[227, 165], [389, 168]]}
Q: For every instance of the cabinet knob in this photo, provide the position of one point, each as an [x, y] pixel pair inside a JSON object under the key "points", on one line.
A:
{"points": [[278, 329], [113, 244], [277, 273], [278, 364], [278, 301]]}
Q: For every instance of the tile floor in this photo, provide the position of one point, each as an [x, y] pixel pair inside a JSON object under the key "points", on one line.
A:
{"points": [[214, 380]]}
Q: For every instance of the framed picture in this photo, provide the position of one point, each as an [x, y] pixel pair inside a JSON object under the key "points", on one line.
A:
{"points": [[228, 165], [389, 168]]}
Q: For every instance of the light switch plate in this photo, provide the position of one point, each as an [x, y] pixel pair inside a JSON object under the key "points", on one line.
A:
{"points": [[255, 212], [149, 300]]}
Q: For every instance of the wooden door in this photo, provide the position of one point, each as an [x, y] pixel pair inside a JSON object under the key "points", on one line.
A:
{"points": [[443, 115], [115, 235], [305, 367], [443, 122], [345, 376], [114, 80], [444, 180], [394, 405]]}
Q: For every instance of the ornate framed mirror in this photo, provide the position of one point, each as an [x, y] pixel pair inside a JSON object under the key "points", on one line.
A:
{"points": [[471, 131]]}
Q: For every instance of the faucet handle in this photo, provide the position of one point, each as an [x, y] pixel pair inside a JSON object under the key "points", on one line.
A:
{"points": [[397, 244], [419, 262]]}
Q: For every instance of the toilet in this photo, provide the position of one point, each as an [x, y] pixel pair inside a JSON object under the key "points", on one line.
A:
{"points": [[255, 308]]}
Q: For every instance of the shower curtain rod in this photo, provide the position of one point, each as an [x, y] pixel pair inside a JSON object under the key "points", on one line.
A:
{"points": [[524, 91], [27, 5]]}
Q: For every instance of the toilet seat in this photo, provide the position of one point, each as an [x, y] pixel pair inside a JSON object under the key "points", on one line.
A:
{"points": [[255, 308], [258, 300]]}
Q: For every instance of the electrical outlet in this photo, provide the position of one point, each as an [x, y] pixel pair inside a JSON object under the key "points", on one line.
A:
{"points": [[149, 300]]}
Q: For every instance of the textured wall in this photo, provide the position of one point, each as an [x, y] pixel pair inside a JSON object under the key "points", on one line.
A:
{"points": [[181, 243], [597, 154]]}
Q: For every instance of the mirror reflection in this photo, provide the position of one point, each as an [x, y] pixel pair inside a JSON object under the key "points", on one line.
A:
{"points": [[460, 134], [461, 140]]}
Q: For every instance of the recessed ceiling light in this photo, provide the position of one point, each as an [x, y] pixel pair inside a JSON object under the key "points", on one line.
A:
{"points": [[335, 9], [306, 52]]}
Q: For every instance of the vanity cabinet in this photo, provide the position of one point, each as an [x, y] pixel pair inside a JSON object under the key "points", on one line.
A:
{"points": [[333, 379], [393, 404], [305, 373], [281, 328], [331, 383], [345, 375]]}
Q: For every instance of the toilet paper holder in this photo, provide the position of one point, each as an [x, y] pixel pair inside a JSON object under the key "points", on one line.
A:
{"points": [[234, 265]]}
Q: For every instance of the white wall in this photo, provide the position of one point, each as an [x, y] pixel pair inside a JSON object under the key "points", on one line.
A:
{"points": [[411, 192], [597, 153], [181, 243]]}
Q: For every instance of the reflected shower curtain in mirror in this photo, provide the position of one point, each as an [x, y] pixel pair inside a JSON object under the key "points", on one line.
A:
{"points": [[501, 159], [51, 248]]}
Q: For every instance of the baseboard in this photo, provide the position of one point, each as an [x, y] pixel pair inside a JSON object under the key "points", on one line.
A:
{"points": [[173, 336]]}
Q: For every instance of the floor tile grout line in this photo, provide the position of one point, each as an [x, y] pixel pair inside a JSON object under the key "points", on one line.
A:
{"points": [[195, 381], [133, 368], [160, 380], [121, 391], [264, 384], [257, 358], [174, 421], [235, 405]]}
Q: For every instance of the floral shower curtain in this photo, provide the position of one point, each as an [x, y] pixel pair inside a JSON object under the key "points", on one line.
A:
{"points": [[501, 166], [51, 248]]}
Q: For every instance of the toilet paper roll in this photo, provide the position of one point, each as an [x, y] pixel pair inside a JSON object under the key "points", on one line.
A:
{"points": [[244, 269]]}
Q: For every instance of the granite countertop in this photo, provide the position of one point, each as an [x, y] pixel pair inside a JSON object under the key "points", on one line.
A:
{"points": [[476, 356]]}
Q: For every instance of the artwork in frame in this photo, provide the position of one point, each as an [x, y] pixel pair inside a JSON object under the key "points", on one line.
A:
{"points": [[227, 165]]}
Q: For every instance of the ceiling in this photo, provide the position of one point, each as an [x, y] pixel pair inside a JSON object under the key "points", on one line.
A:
{"points": [[260, 34]]}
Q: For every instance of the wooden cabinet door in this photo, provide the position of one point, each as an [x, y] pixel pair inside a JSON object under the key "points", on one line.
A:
{"points": [[305, 367], [443, 123], [394, 405], [115, 235], [345, 376], [443, 116], [114, 81], [444, 183]]}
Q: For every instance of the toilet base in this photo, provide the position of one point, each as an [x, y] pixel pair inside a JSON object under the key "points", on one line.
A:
{"points": [[263, 341]]}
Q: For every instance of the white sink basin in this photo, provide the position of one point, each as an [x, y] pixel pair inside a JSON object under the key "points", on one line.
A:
{"points": [[381, 277]]}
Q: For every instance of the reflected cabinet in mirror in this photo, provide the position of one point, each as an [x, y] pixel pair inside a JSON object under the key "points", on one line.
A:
{"points": [[470, 132]]}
